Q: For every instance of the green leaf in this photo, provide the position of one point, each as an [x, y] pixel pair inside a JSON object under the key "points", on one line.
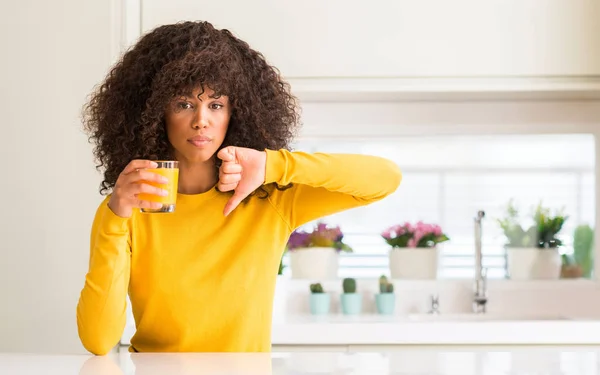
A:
{"points": [[344, 247]]}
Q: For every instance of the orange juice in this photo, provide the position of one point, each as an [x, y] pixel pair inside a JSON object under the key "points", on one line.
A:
{"points": [[171, 172]]}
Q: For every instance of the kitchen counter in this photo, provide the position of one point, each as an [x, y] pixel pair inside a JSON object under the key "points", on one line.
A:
{"points": [[563, 360], [459, 329], [423, 329]]}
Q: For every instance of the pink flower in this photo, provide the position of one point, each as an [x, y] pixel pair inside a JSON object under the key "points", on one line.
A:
{"points": [[411, 235], [321, 236], [419, 233], [393, 231], [321, 227]]}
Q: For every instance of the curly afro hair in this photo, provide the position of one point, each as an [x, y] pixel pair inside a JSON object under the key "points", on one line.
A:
{"points": [[125, 116]]}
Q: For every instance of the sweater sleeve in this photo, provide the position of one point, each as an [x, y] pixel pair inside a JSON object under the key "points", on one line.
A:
{"points": [[101, 310], [324, 184]]}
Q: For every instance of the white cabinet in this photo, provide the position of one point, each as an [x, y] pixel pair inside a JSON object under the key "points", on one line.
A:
{"points": [[406, 38]]}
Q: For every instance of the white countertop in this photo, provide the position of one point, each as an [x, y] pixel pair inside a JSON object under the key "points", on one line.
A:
{"points": [[441, 361], [419, 329], [461, 329]]}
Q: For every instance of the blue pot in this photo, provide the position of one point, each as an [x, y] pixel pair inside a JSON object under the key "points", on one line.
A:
{"points": [[319, 303], [351, 303], [385, 302]]}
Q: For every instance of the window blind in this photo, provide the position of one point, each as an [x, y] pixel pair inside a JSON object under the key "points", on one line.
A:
{"points": [[447, 179]]}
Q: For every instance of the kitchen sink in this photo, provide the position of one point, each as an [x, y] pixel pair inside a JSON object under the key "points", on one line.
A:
{"points": [[427, 318], [471, 317]]}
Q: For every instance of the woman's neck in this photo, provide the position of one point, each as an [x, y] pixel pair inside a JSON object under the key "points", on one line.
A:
{"points": [[196, 178]]}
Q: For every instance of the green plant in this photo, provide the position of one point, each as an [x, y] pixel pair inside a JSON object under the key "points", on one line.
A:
{"points": [[548, 226], [542, 233], [316, 288], [583, 242], [515, 234], [349, 285], [385, 286]]}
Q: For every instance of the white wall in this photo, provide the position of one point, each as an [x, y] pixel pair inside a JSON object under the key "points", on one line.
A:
{"points": [[53, 52]]}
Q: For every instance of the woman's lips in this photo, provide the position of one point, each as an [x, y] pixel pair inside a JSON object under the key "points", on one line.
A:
{"points": [[199, 141]]}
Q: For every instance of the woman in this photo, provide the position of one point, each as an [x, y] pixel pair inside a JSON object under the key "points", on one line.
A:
{"points": [[203, 278]]}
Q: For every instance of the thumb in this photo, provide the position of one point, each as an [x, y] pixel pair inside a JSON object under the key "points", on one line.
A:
{"points": [[227, 154], [234, 201]]}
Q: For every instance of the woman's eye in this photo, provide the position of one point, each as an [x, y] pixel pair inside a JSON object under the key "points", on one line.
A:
{"points": [[184, 105], [216, 106]]}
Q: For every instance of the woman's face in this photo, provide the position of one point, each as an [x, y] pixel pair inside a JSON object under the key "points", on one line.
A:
{"points": [[197, 124]]}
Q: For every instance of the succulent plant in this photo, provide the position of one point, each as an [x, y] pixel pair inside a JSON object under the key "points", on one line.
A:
{"points": [[583, 242], [385, 286], [349, 285], [316, 288]]}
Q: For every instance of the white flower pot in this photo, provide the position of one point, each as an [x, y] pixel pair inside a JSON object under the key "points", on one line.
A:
{"points": [[315, 263], [413, 263], [533, 263]]}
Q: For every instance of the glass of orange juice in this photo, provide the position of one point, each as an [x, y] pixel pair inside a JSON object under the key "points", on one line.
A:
{"points": [[170, 170]]}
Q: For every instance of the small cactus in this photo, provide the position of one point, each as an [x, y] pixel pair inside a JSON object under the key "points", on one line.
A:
{"points": [[349, 285], [316, 288], [583, 242], [385, 286]]}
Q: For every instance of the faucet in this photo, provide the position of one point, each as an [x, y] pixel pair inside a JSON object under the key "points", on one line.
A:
{"points": [[435, 304], [480, 295]]}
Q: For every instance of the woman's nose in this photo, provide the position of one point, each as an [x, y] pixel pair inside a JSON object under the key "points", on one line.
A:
{"points": [[200, 120]]}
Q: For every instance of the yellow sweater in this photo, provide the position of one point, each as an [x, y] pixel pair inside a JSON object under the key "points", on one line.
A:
{"points": [[202, 282]]}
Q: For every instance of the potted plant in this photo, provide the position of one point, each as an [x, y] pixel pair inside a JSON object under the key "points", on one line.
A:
{"points": [[583, 246], [351, 301], [569, 268], [319, 300], [414, 250], [385, 300], [580, 263], [532, 250], [315, 255]]}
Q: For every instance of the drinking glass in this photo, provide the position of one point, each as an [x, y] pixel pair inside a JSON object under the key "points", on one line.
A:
{"points": [[170, 170]]}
